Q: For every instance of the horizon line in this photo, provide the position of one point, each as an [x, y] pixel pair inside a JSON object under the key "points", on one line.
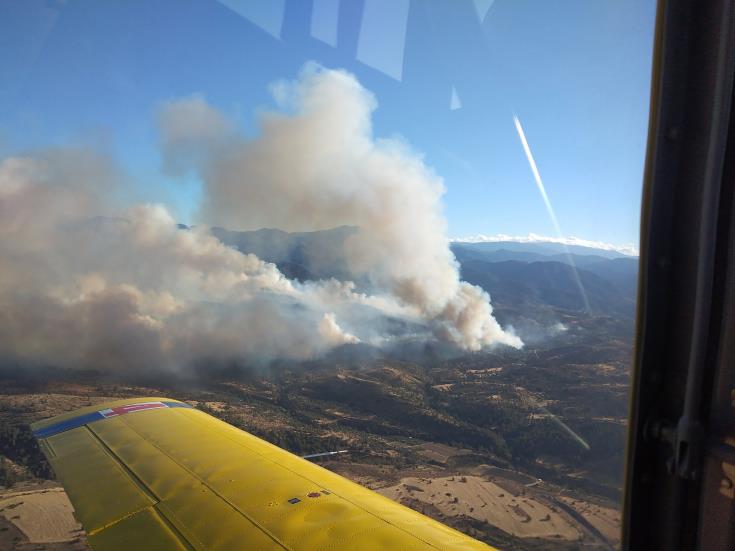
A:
{"points": [[627, 249]]}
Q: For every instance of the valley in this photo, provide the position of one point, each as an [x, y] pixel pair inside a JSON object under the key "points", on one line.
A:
{"points": [[523, 449], [491, 419]]}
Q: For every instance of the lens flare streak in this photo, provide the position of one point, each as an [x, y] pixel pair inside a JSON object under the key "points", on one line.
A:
{"points": [[550, 209]]}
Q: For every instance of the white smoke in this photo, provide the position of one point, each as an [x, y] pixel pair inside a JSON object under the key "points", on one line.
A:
{"points": [[316, 165], [332, 333], [85, 283], [134, 291]]}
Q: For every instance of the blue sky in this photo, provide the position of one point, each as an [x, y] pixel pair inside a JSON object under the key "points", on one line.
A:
{"points": [[449, 75]]}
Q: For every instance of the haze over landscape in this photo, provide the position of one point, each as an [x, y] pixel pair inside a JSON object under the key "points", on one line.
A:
{"points": [[355, 294], [335, 338], [350, 254], [139, 293], [525, 445]]}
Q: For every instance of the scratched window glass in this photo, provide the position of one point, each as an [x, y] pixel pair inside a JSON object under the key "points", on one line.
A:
{"points": [[396, 237]]}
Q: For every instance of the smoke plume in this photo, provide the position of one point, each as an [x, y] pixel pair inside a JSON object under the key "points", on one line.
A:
{"points": [[316, 165], [86, 283]]}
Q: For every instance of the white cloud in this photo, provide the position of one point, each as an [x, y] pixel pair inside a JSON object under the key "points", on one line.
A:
{"points": [[628, 249]]}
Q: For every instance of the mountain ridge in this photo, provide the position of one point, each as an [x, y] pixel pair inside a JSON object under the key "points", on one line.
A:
{"points": [[526, 281]]}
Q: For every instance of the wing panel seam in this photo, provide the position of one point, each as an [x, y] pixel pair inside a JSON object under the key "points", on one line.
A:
{"points": [[118, 520], [214, 491], [412, 534], [133, 477], [171, 526]]}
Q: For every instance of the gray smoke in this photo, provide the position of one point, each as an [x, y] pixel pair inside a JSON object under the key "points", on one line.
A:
{"points": [[87, 283], [316, 165]]}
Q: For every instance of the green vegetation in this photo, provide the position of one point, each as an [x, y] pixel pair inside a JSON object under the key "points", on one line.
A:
{"points": [[496, 407], [7, 476], [17, 446]]}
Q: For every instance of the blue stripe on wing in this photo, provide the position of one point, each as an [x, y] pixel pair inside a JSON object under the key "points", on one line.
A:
{"points": [[81, 420]]}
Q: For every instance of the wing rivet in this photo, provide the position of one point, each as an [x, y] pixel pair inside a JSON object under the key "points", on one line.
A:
{"points": [[314, 494]]}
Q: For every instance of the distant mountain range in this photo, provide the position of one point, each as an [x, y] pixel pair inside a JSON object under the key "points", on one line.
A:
{"points": [[303, 256], [529, 283], [541, 248], [519, 275]]}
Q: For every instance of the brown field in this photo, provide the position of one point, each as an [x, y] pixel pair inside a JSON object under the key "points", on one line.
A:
{"points": [[604, 519], [439, 453], [408, 452], [472, 496], [42, 514]]}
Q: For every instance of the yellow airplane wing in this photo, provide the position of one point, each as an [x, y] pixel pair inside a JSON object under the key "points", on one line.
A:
{"points": [[155, 473]]}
